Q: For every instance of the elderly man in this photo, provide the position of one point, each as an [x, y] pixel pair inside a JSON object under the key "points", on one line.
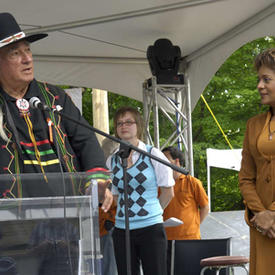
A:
{"points": [[28, 143], [34, 141]]}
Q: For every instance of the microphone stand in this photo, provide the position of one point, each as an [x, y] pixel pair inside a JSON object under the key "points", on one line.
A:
{"points": [[124, 152]]}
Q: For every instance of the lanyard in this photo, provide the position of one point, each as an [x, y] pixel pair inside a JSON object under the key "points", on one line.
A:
{"points": [[14, 130]]}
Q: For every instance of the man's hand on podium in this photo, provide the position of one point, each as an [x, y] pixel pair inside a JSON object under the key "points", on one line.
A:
{"points": [[105, 196], [107, 200]]}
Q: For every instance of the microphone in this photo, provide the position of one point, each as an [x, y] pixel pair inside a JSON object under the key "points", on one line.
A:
{"points": [[36, 103], [124, 150]]}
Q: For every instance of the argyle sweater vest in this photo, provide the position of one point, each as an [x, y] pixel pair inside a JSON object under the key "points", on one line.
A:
{"points": [[144, 208]]}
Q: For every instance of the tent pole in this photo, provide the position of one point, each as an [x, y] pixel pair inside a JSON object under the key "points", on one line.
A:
{"points": [[100, 112]]}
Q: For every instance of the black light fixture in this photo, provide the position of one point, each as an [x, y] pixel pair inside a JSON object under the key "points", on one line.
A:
{"points": [[164, 59]]}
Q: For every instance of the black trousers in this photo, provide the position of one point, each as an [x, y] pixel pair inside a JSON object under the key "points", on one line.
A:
{"points": [[169, 255], [148, 247]]}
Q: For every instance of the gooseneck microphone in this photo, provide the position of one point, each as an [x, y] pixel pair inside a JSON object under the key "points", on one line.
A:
{"points": [[36, 103]]}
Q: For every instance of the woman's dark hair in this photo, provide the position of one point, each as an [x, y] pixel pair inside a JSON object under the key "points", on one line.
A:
{"points": [[266, 58], [137, 117], [175, 154]]}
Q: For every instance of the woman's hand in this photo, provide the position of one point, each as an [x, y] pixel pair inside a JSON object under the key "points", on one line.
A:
{"points": [[271, 232], [264, 222]]}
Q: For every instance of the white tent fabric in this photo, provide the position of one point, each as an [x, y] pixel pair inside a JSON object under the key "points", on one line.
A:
{"points": [[102, 44], [76, 96], [208, 62], [227, 159]]}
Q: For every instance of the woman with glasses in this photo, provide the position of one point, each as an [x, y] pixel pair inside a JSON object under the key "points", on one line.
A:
{"points": [[144, 175]]}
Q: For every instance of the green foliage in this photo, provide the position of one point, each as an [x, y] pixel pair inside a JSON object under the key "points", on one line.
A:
{"points": [[87, 104], [225, 192]]}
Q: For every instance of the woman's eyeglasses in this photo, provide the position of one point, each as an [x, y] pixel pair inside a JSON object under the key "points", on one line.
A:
{"points": [[127, 123]]}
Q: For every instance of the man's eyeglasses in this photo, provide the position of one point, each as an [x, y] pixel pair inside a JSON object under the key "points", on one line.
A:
{"points": [[127, 123]]}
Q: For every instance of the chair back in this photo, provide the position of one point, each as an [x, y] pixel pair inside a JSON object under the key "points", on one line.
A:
{"points": [[188, 254]]}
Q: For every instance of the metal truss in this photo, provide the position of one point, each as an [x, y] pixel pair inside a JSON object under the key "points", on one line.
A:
{"points": [[174, 101]]}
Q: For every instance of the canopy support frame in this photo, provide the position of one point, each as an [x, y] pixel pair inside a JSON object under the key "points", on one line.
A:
{"points": [[178, 98]]}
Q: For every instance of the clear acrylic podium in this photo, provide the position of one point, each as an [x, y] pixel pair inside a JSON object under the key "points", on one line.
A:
{"points": [[45, 232]]}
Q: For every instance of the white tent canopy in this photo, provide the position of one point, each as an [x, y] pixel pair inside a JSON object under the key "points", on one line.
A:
{"points": [[102, 44]]}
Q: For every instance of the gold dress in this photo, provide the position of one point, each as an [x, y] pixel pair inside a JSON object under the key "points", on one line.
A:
{"points": [[257, 184]]}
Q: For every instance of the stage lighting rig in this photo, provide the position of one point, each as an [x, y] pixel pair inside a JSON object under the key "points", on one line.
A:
{"points": [[164, 59]]}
